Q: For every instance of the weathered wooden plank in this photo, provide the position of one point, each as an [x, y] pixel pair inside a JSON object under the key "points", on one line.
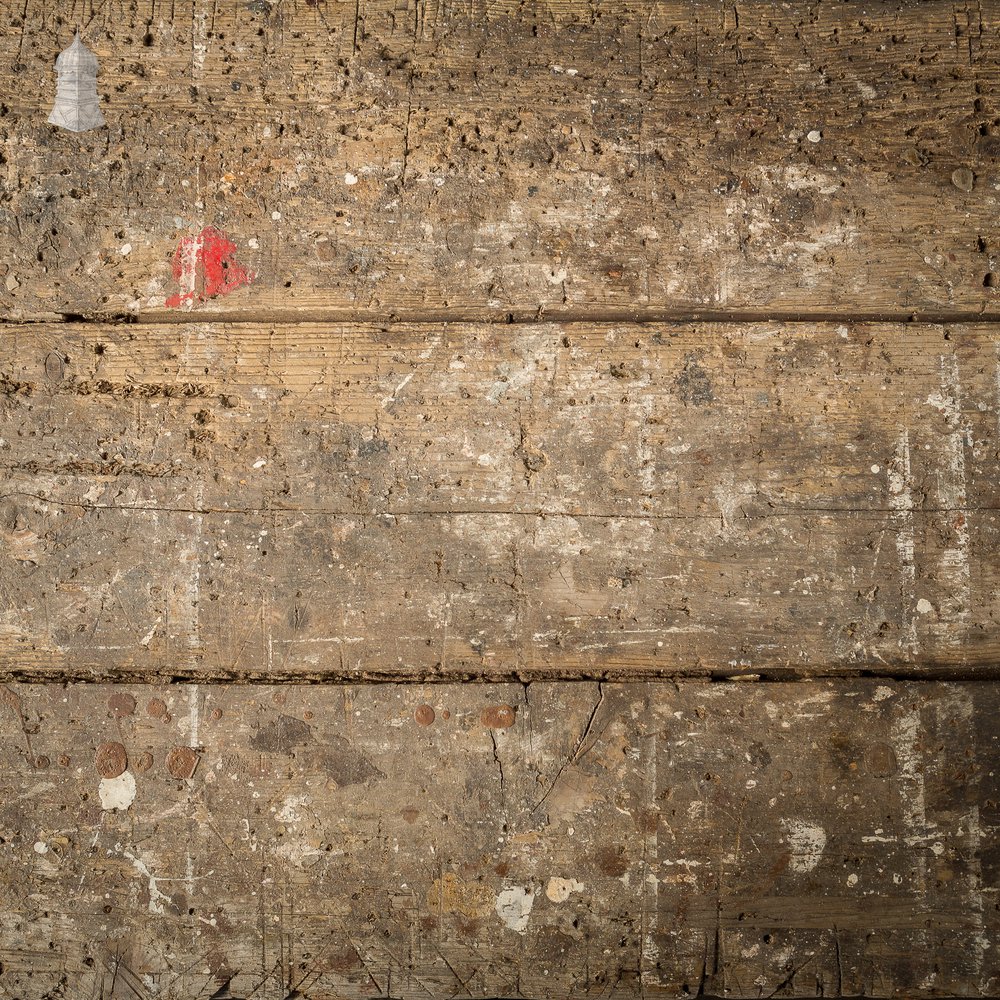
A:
{"points": [[508, 156], [417, 501], [544, 840]]}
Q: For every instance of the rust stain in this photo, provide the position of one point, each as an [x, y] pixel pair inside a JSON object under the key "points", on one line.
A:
{"points": [[111, 760], [452, 894], [498, 716], [182, 761]]}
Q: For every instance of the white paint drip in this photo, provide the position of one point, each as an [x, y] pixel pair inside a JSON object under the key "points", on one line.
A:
{"points": [[905, 733], [901, 501], [194, 717], [952, 498], [513, 907]]}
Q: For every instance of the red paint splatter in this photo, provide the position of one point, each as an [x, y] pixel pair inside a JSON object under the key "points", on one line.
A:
{"points": [[205, 266]]}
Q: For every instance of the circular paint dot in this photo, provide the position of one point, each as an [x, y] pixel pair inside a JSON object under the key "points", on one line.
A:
{"points": [[42, 761], [216, 714], [424, 715], [279, 697], [64, 760], [157, 708], [876, 469], [121, 704], [145, 761], [111, 760], [307, 714], [815, 135], [498, 716], [446, 714], [852, 879]]}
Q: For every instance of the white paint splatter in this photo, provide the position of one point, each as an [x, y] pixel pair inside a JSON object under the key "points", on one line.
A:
{"points": [[924, 606], [289, 811], [559, 889], [156, 898], [882, 693], [514, 907], [807, 841], [117, 793], [350, 179]]}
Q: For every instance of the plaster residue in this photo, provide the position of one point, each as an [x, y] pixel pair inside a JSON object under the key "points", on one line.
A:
{"points": [[807, 842], [117, 793], [559, 889], [514, 907]]}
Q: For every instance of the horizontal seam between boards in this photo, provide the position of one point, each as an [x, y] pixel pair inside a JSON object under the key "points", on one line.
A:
{"points": [[776, 675], [511, 317]]}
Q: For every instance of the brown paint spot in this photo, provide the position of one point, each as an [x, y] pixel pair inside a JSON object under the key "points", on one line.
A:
{"points": [[111, 760], [216, 714], [611, 861], [446, 714], [279, 697], [307, 714], [282, 735], [498, 716], [880, 760], [42, 761], [64, 760], [145, 762], [157, 708], [646, 820], [424, 715], [181, 762], [410, 814], [121, 704]]}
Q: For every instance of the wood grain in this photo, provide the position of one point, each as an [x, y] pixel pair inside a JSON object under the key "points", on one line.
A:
{"points": [[380, 157], [350, 501], [744, 840]]}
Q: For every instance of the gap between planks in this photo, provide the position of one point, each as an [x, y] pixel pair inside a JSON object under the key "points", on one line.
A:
{"points": [[509, 318], [676, 676]]}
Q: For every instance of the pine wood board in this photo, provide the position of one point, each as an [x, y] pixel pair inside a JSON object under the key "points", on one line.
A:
{"points": [[427, 501], [493, 158], [547, 839]]}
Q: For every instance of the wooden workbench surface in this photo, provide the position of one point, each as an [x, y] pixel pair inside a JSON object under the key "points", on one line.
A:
{"points": [[636, 365]]}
